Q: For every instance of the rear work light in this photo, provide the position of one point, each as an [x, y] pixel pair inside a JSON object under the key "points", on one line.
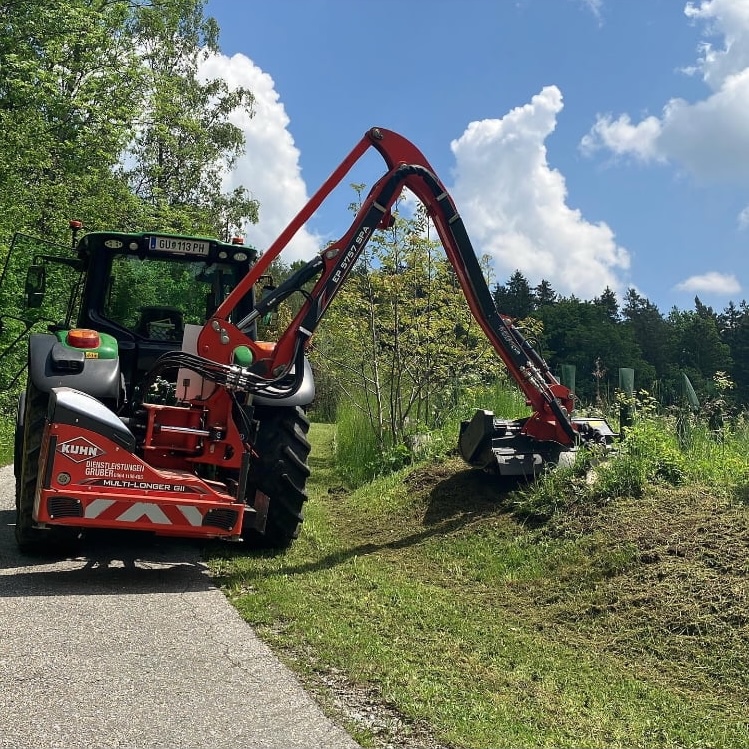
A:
{"points": [[83, 338]]}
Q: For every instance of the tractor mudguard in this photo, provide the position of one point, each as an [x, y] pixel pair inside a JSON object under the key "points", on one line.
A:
{"points": [[51, 365], [303, 397]]}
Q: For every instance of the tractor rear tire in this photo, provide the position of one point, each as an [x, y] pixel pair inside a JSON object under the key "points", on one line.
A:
{"points": [[32, 540], [28, 444], [280, 470]]}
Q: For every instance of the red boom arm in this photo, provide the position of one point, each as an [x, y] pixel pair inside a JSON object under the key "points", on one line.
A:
{"points": [[551, 401]]}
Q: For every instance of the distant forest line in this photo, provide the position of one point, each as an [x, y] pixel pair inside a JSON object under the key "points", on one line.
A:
{"points": [[601, 336]]}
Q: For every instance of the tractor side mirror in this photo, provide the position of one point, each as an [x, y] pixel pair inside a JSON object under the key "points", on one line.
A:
{"points": [[36, 282], [268, 288]]}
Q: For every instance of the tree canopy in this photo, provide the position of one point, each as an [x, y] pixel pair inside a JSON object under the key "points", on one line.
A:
{"points": [[106, 119], [605, 335]]}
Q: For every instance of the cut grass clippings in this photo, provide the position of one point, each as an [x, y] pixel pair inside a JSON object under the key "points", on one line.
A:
{"points": [[619, 625]]}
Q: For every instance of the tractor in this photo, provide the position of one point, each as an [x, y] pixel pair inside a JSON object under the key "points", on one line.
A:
{"points": [[151, 404]]}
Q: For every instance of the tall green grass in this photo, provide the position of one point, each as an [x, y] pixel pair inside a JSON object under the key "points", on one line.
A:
{"points": [[501, 396], [358, 451], [7, 426], [660, 450], [717, 457], [362, 456], [670, 449]]}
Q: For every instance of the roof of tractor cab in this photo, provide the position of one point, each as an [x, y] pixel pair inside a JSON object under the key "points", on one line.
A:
{"points": [[166, 245]]}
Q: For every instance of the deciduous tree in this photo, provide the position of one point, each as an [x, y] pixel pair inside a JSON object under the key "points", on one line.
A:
{"points": [[399, 339]]}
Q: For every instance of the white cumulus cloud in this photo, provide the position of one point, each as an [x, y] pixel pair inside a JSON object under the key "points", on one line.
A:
{"points": [[711, 283], [622, 137], [269, 168], [514, 204], [703, 137], [729, 19]]}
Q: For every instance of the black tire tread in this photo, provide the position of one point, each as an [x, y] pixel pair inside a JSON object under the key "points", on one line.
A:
{"points": [[281, 471], [28, 538], [31, 540]]}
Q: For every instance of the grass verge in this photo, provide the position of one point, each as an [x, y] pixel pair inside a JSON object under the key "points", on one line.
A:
{"points": [[7, 427], [616, 624]]}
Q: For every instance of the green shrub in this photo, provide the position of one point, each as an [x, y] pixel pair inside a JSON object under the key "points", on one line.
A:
{"points": [[649, 455]]}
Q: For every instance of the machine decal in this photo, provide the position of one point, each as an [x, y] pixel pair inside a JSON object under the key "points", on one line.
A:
{"points": [[105, 469], [192, 514], [142, 485], [79, 450], [98, 506], [144, 509]]}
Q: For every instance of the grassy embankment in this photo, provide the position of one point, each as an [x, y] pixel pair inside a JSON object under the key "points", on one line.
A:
{"points": [[581, 614]]}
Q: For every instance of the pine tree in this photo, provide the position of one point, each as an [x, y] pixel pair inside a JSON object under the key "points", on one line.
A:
{"points": [[515, 298]]}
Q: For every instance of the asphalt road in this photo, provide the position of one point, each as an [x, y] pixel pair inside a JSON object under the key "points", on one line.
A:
{"points": [[130, 645]]}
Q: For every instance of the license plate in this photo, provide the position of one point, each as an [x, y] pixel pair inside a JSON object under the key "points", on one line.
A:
{"points": [[179, 245]]}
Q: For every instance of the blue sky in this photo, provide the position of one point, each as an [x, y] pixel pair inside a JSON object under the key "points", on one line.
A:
{"points": [[590, 143]]}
